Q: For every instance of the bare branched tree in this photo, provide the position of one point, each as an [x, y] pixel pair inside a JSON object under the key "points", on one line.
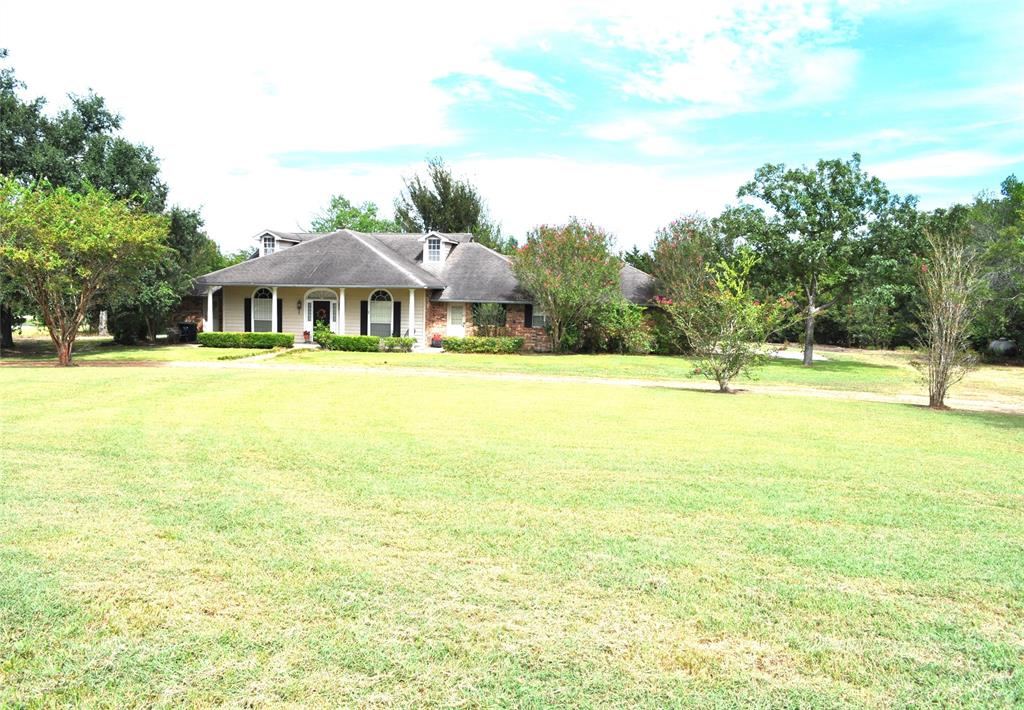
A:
{"points": [[951, 286]]}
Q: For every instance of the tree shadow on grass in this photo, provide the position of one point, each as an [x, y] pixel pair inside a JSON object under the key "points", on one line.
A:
{"points": [[1013, 421], [836, 366]]}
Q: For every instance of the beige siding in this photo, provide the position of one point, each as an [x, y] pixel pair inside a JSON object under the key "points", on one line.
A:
{"points": [[355, 296], [234, 304], [293, 317]]}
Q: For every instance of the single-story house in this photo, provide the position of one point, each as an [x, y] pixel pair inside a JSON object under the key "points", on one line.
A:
{"points": [[414, 285]]}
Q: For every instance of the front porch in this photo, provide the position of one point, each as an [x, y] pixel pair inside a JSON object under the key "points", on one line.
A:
{"points": [[378, 311], [381, 311]]}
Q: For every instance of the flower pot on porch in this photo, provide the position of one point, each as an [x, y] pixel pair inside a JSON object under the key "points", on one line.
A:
{"points": [[305, 336]]}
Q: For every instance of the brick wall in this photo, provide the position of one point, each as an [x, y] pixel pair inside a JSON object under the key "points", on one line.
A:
{"points": [[536, 339]]}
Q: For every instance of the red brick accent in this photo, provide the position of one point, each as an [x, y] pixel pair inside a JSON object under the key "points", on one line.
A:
{"points": [[536, 339]]}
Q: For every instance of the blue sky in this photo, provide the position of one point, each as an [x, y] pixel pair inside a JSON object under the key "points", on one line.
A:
{"points": [[627, 114]]}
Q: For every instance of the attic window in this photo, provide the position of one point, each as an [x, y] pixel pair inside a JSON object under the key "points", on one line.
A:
{"points": [[434, 249], [268, 244]]}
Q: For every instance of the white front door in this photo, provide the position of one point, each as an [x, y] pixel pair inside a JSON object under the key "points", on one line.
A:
{"points": [[457, 320]]}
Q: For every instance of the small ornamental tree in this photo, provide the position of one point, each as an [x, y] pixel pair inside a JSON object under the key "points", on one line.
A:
{"points": [[570, 272], [67, 247], [951, 283], [726, 327]]}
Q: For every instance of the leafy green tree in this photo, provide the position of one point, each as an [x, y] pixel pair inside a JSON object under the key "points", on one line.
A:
{"points": [[342, 214], [816, 232], [999, 230], [726, 325], [638, 259], [142, 305], [881, 301], [570, 272], [445, 203], [67, 248], [78, 146]]}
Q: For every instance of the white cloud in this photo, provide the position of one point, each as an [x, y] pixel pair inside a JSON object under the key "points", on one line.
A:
{"points": [[631, 201], [948, 164]]}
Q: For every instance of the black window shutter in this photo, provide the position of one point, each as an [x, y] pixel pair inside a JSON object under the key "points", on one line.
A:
{"points": [[364, 317], [528, 315], [280, 316], [248, 315], [396, 326]]}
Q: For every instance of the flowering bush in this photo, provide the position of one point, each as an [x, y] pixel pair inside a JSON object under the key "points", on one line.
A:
{"points": [[570, 272]]}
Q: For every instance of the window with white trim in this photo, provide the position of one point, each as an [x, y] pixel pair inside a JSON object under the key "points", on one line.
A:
{"points": [[268, 244], [541, 319], [381, 313], [263, 311], [433, 249]]}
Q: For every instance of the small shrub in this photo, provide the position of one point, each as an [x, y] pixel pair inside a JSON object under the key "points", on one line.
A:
{"points": [[621, 327], [490, 319], [499, 346], [246, 340], [397, 345], [350, 343]]}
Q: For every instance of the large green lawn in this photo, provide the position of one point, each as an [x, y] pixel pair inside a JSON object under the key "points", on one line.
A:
{"points": [[293, 538]]}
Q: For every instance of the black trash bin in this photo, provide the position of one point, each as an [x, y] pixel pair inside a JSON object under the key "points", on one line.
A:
{"points": [[187, 332]]}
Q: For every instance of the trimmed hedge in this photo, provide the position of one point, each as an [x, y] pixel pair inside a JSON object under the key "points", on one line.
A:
{"points": [[397, 345], [351, 343], [246, 340], [364, 343], [498, 345]]}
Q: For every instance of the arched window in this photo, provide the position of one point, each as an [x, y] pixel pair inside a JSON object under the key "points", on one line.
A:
{"points": [[433, 249], [263, 311], [381, 313]]}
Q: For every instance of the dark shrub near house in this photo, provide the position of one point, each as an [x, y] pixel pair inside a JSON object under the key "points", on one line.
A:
{"points": [[349, 343], [500, 346], [246, 340]]}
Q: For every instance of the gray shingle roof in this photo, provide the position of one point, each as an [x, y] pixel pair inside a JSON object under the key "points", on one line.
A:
{"points": [[478, 274], [472, 272], [342, 258], [637, 285]]}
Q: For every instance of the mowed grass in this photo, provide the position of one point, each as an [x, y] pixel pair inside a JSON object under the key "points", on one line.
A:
{"points": [[291, 538], [886, 372]]}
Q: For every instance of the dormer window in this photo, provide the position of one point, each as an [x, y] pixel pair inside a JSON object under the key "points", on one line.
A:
{"points": [[268, 244], [433, 250]]}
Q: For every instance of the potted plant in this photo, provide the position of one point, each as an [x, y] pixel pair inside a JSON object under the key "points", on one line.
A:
{"points": [[305, 336], [435, 340]]}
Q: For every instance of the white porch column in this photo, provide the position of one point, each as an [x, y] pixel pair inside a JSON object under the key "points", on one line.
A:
{"points": [[208, 325], [273, 311], [412, 313], [341, 311]]}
